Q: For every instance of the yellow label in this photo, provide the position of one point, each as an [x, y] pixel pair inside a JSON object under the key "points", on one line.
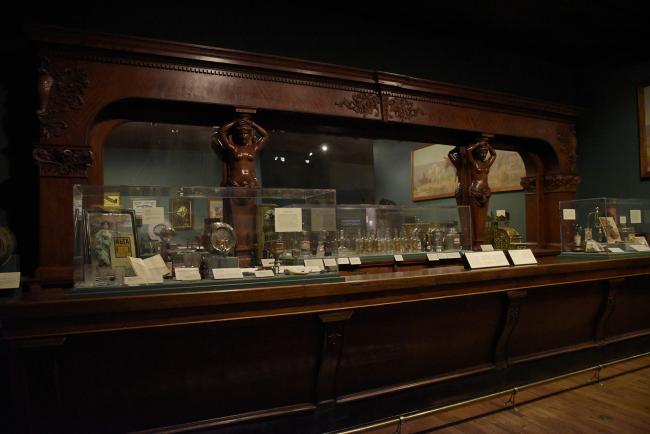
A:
{"points": [[123, 247]]}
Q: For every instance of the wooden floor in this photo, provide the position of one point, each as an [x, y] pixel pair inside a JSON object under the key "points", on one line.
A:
{"points": [[620, 404]]}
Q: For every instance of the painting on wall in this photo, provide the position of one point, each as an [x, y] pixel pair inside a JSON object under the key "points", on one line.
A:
{"points": [[433, 176], [644, 129]]}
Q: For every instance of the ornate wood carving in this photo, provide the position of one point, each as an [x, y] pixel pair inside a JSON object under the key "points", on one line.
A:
{"points": [[365, 104], [62, 162], [613, 288], [333, 334], [529, 183], [401, 108], [59, 92], [557, 183], [515, 299], [567, 143]]}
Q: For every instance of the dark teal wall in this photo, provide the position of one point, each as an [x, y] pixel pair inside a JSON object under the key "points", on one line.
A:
{"points": [[608, 133], [392, 161]]}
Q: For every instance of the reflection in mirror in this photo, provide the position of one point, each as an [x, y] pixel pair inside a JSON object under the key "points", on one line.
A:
{"points": [[362, 170]]}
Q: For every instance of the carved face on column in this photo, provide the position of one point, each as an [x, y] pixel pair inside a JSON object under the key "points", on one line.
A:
{"points": [[482, 151], [243, 134]]}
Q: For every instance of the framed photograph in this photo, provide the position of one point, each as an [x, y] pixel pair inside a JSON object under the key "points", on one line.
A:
{"points": [[112, 200], [215, 209], [141, 204], [181, 213], [433, 176], [111, 237], [644, 128]]}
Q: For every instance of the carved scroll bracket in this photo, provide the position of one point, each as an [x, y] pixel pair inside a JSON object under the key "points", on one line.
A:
{"points": [[332, 347], [63, 162], [59, 92], [561, 183], [515, 299]]}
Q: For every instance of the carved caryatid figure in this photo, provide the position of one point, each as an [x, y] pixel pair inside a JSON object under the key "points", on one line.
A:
{"points": [[481, 156], [236, 142]]}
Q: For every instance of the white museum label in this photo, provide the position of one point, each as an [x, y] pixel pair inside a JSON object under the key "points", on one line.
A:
{"points": [[522, 257], [140, 204], [635, 216], [187, 273], [487, 259], [323, 219], [146, 270], [501, 213], [640, 248], [615, 250], [622, 219], [398, 258], [227, 273], [135, 280], [343, 261], [487, 248], [153, 216], [329, 262], [432, 257], [264, 273], [451, 255], [355, 261], [288, 219], [10, 280], [569, 214], [314, 263], [268, 262]]}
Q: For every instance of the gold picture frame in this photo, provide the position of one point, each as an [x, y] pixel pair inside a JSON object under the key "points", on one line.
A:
{"points": [[433, 176], [181, 213], [644, 129]]}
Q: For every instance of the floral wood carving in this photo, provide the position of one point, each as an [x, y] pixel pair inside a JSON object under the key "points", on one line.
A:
{"points": [[402, 109], [366, 104], [556, 183], [529, 183], [59, 92], [60, 162]]}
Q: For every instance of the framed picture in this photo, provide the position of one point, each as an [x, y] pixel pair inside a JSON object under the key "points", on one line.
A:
{"points": [[181, 213], [433, 176], [644, 128], [111, 236], [215, 209], [611, 230]]}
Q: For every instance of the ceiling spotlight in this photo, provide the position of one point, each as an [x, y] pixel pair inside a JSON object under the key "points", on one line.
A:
{"points": [[307, 161], [311, 153], [282, 159], [276, 158], [324, 147]]}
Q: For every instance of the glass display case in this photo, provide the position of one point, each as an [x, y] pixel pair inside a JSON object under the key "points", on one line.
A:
{"points": [[375, 231], [156, 238], [604, 227]]}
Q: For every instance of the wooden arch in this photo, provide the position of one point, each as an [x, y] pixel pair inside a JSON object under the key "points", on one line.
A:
{"points": [[82, 74]]}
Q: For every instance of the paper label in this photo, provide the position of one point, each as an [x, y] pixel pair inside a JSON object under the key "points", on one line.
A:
{"points": [[487, 259], [569, 214], [156, 264], [399, 258], [288, 219], [135, 281], [10, 280], [501, 213], [329, 262], [187, 273], [487, 248], [268, 262], [615, 250], [141, 204], [522, 257], [622, 219], [640, 248], [635, 216], [227, 273], [432, 257], [323, 219], [264, 273], [343, 261], [153, 216], [453, 255], [144, 270], [355, 261], [314, 263]]}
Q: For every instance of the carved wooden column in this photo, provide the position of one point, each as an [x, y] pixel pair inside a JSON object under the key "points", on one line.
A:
{"points": [[330, 358], [62, 163], [472, 168]]}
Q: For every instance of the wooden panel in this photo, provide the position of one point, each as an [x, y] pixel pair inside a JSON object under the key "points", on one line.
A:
{"points": [[126, 381], [557, 317], [631, 311], [416, 341]]}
